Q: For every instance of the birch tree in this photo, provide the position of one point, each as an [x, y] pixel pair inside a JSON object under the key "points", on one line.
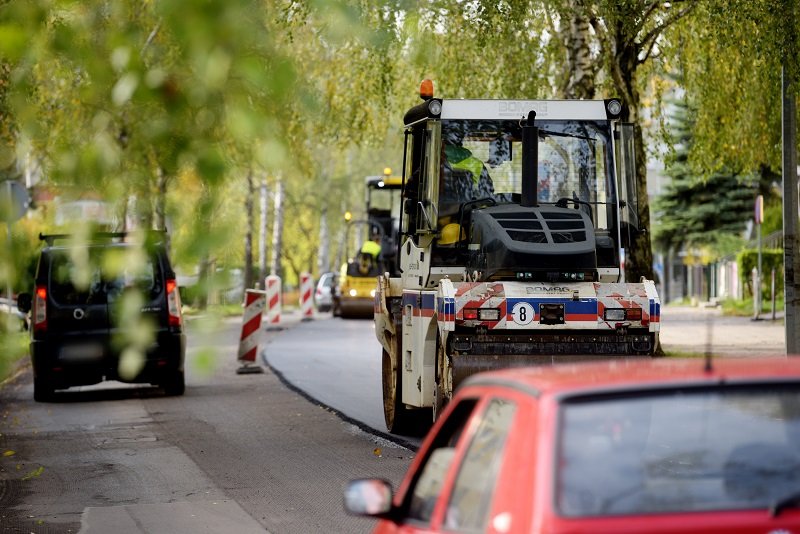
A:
{"points": [[277, 230], [262, 230], [629, 33], [250, 195]]}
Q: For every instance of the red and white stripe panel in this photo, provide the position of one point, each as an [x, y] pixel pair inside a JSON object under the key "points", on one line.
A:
{"points": [[251, 325], [306, 292], [518, 303], [273, 285]]}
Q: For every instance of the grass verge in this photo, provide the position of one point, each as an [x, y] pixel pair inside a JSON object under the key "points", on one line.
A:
{"points": [[13, 347], [744, 308]]}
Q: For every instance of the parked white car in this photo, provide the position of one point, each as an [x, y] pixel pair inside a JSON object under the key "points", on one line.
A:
{"points": [[323, 296]]}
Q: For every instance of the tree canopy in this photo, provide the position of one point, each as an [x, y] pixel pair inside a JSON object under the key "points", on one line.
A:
{"points": [[173, 103], [700, 213]]}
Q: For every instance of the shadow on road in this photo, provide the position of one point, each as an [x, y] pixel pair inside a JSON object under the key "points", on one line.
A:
{"points": [[66, 396]]}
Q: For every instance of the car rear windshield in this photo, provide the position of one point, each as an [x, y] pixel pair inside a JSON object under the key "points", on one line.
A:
{"points": [[679, 451], [99, 275]]}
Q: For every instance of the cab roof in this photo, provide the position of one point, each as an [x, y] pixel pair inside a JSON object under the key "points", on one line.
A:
{"points": [[518, 109], [481, 109]]}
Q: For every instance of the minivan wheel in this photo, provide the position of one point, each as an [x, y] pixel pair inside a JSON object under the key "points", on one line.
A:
{"points": [[42, 390], [174, 384]]}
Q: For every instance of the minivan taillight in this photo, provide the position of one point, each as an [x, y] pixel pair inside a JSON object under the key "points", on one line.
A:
{"points": [[174, 303], [40, 309]]}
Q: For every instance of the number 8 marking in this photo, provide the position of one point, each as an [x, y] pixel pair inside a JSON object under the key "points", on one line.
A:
{"points": [[522, 312]]}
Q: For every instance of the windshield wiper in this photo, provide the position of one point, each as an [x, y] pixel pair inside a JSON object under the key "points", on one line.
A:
{"points": [[784, 502], [548, 133]]}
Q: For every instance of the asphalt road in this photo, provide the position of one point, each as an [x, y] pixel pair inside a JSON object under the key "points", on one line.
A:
{"points": [[337, 362], [236, 453]]}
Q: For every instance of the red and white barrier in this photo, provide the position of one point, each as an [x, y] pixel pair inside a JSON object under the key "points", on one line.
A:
{"points": [[273, 285], [306, 294], [251, 331]]}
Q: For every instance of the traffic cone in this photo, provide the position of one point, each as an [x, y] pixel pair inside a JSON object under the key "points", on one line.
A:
{"points": [[306, 301], [251, 331]]}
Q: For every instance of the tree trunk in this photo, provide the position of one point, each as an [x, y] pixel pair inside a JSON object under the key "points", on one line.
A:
{"points": [[580, 83], [262, 232], [122, 223], [639, 260], [277, 230], [248, 234], [160, 208], [160, 203], [581, 68], [143, 213], [323, 257], [201, 300]]}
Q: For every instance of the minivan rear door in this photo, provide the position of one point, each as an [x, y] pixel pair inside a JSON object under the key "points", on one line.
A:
{"points": [[77, 315], [143, 282]]}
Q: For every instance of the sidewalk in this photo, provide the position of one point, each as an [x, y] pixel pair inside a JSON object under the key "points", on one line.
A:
{"points": [[695, 330]]}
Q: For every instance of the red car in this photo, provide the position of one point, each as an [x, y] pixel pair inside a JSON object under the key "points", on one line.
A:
{"points": [[656, 446]]}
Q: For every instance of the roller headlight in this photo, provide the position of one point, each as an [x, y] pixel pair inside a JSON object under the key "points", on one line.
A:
{"points": [[488, 314], [614, 107]]}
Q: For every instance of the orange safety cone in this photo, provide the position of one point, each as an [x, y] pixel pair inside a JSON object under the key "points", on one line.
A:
{"points": [[251, 331]]}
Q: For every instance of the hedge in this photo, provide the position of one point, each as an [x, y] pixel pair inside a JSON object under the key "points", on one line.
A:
{"points": [[771, 258]]}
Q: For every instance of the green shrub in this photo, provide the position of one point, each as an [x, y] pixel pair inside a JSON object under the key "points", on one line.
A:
{"points": [[771, 258]]}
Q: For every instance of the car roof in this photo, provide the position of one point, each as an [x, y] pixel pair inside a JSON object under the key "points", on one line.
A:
{"points": [[93, 244], [631, 373], [156, 248]]}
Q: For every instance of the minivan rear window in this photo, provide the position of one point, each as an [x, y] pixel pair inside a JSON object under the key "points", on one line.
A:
{"points": [[94, 279]]}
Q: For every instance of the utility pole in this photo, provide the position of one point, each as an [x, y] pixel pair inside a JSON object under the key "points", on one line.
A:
{"points": [[757, 296], [791, 261]]}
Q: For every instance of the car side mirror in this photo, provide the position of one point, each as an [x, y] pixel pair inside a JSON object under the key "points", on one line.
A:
{"points": [[368, 497], [24, 301]]}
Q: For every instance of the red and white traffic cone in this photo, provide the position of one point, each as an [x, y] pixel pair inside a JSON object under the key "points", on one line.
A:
{"points": [[251, 331], [273, 285], [306, 302]]}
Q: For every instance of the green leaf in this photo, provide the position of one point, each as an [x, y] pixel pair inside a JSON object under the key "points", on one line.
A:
{"points": [[14, 41], [34, 474]]}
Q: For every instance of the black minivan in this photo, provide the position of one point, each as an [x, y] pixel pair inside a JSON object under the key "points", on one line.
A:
{"points": [[105, 309]]}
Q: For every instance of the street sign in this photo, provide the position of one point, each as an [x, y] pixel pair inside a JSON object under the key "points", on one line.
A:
{"points": [[13, 201], [759, 209]]}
